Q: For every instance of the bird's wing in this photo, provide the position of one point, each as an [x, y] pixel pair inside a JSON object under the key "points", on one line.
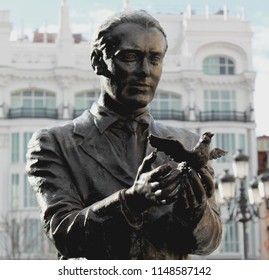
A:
{"points": [[217, 153], [170, 147]]}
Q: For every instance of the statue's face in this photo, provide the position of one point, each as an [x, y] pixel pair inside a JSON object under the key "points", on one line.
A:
{"points": [[135, 65]]}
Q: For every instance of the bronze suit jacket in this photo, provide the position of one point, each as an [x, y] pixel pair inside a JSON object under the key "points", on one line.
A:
{"points": [[77, 180]]}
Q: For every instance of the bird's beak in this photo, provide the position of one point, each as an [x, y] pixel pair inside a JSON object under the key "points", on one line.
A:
{"points": [[211, 135]]}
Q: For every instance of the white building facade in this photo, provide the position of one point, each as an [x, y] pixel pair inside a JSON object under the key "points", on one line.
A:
{"points": [[207, 85]]}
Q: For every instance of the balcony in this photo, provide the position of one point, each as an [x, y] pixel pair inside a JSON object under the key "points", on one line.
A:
{"points": [[158, 114], [168, 115], [230, 116], [16, 113]]}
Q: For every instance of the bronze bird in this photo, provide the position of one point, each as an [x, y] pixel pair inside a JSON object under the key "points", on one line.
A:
{"points": [[197, 157]]}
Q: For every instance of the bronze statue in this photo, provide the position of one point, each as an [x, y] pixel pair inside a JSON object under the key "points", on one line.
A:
{"points": [[104, 192]]}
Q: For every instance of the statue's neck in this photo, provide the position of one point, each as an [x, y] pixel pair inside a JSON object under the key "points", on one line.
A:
{"points": [[106, 101]]}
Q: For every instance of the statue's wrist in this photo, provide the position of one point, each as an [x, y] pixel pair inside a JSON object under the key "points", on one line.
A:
{"points": [[133, 217]]}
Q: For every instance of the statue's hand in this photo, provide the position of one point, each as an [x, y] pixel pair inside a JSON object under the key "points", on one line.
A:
{"points": [[152, 187], [194, 191]]}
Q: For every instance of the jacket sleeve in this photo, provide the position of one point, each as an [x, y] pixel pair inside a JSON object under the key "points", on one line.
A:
{"points": [[76, 229], [205, 232]]}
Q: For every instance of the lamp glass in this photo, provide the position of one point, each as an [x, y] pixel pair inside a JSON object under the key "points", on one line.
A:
{"points": [[261, 189], [227, 190], [240, 169], [264, 189], [254, 196], [218, 197]]}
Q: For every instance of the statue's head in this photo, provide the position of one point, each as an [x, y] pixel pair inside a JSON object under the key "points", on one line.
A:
{"points": [[127, 54], [104, 40]]}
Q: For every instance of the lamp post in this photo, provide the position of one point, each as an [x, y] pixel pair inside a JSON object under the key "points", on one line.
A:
{"points": [[240, 168], [243, 205]]}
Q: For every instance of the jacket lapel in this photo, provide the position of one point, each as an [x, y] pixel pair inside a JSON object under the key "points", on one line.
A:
{"points": [[97, 146]]}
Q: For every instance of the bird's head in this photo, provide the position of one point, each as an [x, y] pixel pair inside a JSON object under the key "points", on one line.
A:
{"points": [[206, 137]]}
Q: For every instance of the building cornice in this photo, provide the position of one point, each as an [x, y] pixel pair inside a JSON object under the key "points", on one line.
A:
{"points": [[193, 78], [9, 74]]}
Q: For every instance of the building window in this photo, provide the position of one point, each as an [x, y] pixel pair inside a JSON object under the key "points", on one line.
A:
{"points": [[15, 236], [84, 100], [219, 100], [218, 65], [220, 105], [15, 191], [29, 199], [33, 104], [167, 106], [32, 236], [242, 142], [26, 138], [230, 238], [226, 141], [15, 147]]}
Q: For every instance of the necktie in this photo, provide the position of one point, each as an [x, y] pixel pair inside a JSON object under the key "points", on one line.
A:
{"points": [[135, 145]]}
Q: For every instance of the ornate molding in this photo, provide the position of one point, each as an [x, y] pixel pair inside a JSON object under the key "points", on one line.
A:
{"points": [[65, 77], [30, 57], [193, 79], [4, 80]]}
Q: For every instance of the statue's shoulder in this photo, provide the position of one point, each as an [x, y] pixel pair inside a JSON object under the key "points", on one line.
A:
{"points": [[67, 128], [185, 136]]}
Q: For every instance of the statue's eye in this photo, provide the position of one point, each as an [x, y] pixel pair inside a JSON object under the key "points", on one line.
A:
{"points": [[155, 58], [128, 56]]}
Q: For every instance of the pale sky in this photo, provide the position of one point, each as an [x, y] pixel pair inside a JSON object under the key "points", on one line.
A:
{"points": [[33, 14]]}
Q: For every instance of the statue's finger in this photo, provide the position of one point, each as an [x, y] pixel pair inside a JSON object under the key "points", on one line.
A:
{"points": [[207, 181], [147, 162], [159, 172], [197, 187]]}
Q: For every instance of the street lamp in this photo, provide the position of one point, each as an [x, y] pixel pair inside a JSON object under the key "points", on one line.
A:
{"points": [[240, 165], [226, 186], [264, 186], [242, 205], [254, 194]]}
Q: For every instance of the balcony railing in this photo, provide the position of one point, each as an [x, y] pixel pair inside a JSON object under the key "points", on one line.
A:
{"points": [[16, 113], [157, 114], [206, 116], [168, 115], [233, 116]]}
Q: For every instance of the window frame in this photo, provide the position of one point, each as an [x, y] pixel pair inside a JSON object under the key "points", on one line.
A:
{"points": [[219, 65], [163, 105], [219, 100], [86, 100], [33, 102]]}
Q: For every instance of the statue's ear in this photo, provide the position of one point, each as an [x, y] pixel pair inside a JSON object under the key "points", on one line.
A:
{"points": [[98, 64]]}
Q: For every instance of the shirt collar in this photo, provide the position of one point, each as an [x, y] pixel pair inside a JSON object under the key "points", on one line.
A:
{"points": [[104, 118]]}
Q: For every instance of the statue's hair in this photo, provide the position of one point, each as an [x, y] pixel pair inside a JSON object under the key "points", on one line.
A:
{"points": [[103, 39]]}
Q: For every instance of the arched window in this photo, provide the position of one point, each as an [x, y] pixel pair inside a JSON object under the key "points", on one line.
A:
{"points": [[218, 65], [33, 103], [167, 105], [84, 100]]}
